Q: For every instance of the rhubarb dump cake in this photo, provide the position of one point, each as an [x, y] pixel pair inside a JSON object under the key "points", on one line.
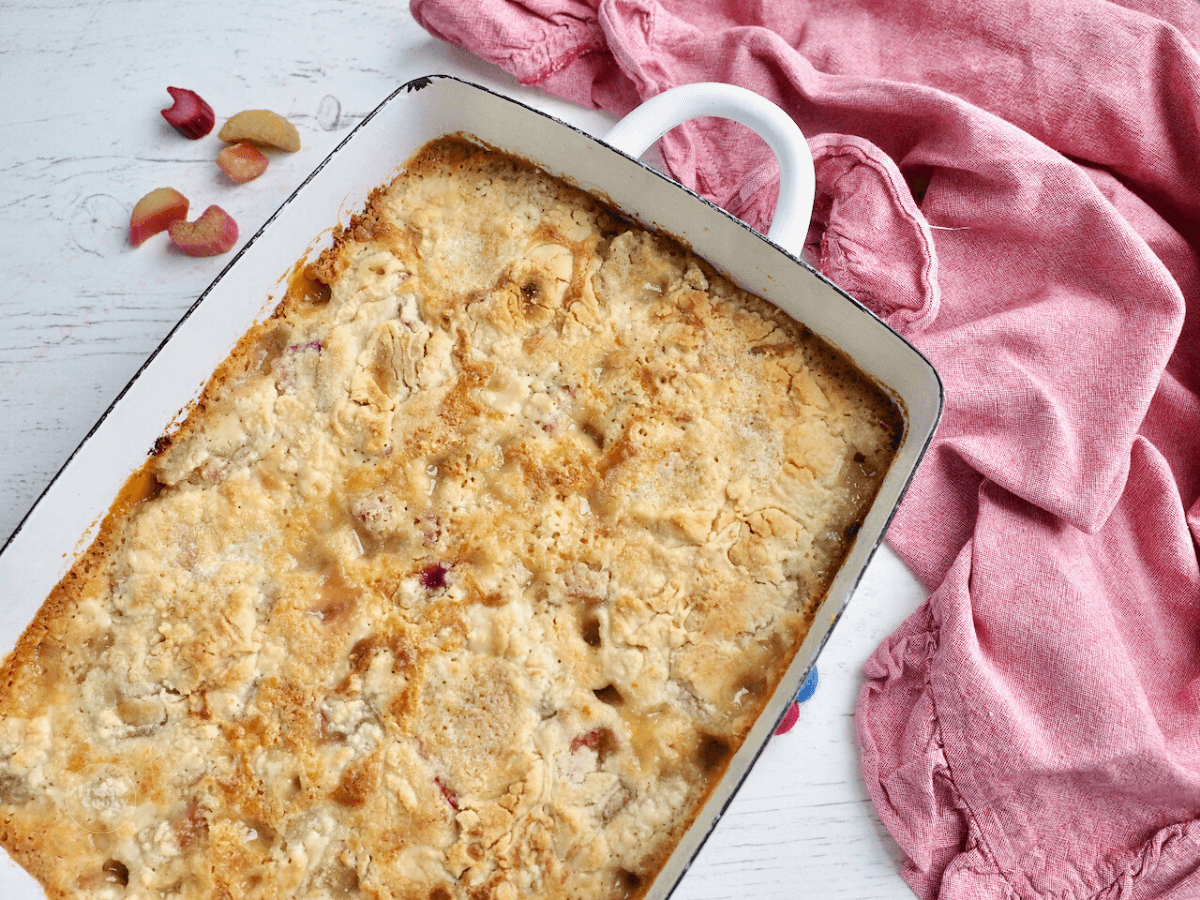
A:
{"points": [[464, 578]]}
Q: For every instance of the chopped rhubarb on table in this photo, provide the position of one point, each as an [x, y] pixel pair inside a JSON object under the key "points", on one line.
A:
{"points": [[242, 162], [262, 127], [189, 115], [213, 233], [155, 212]]}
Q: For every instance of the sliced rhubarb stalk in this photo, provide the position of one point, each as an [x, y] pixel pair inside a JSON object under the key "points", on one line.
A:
{"points": [[242, 162], [262, 127], [433, 576], [189, 115], [155, 212], [448, 792], [213, 233]]}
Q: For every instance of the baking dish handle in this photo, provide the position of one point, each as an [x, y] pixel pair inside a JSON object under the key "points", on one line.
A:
{"points": [[635, 133]]}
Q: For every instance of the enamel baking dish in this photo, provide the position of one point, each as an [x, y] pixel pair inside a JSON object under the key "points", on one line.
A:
{"points": [[66, 516]]}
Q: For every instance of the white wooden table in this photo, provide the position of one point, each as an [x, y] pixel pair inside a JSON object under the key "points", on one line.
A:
{"points": [[81, 140]]}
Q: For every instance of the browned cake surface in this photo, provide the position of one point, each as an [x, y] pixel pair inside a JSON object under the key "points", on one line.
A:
{"points": [[463, 580]]}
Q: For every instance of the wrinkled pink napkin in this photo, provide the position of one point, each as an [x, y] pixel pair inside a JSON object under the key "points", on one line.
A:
{"points": [[1016, 188]]}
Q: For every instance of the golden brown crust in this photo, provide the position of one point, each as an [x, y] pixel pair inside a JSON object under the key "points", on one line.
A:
{"points": [[464, 578]]}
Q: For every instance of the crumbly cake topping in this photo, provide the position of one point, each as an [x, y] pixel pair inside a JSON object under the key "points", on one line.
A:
{"points": [[464, 578]]}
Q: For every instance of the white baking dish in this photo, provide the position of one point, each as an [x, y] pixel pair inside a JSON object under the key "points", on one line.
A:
{"points": [[66, 516]]}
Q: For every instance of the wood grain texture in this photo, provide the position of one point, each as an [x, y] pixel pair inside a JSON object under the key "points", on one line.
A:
{"points": [[81, 140]]}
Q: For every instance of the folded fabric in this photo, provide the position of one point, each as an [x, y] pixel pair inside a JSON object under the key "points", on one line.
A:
{"points": [[1012, 187]]}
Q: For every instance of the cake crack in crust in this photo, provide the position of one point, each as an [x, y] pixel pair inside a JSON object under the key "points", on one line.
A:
{"points": [[465, 577]]}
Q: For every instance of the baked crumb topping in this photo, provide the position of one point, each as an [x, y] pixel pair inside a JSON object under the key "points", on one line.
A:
{"points": [[464, 579]]}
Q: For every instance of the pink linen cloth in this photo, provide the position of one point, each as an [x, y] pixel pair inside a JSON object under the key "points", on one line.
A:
{"points": [[1015, 187]]}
